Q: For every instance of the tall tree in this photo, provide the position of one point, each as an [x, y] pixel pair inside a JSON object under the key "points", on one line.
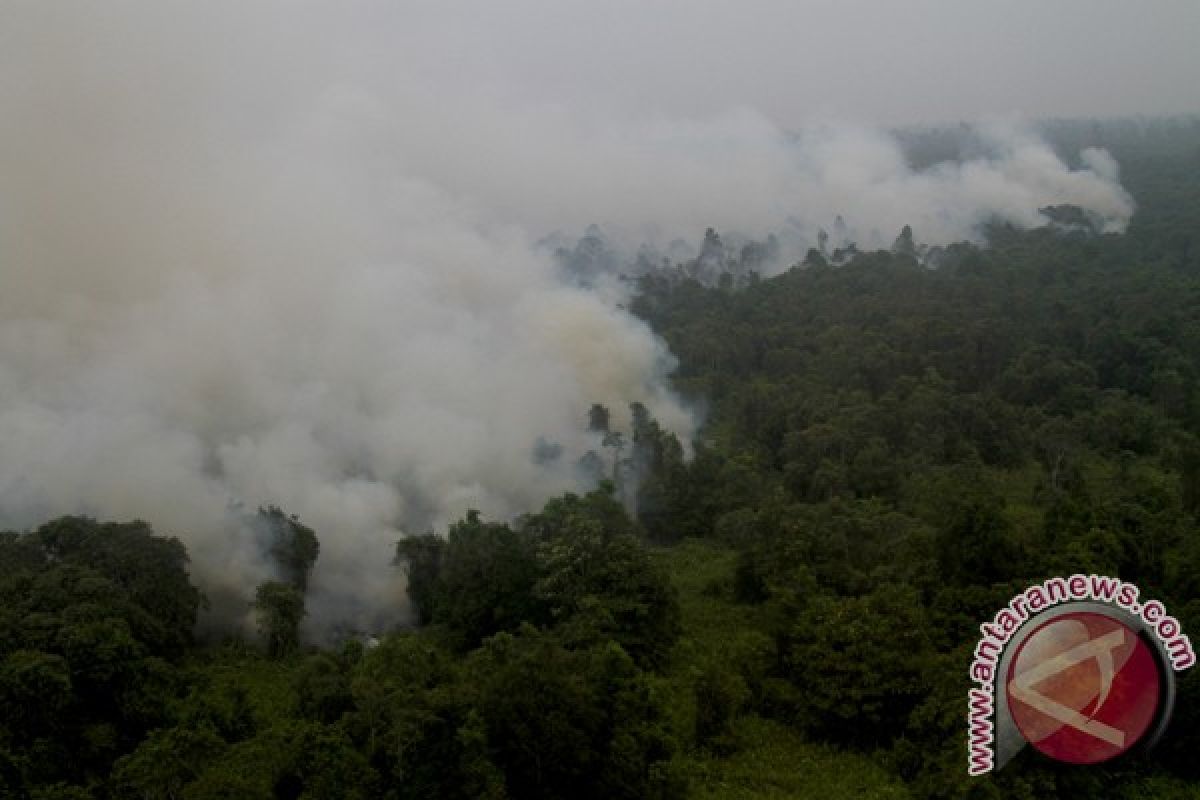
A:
{"points": [[280, 609]]}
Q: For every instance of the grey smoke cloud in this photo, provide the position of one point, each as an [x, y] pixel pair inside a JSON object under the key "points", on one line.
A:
{"points": [[253, 254]]}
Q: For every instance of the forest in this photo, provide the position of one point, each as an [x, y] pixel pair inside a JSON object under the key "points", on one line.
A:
{"points": [[893, 445]]}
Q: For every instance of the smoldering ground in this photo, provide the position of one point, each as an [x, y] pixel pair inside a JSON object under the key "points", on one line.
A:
{"points": [[257, 255]]}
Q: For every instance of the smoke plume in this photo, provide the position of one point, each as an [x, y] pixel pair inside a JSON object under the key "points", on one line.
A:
{"points": [[260, 255]]}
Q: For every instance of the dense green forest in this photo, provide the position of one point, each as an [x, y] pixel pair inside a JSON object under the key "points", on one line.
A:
{"points": [[889, 452]]}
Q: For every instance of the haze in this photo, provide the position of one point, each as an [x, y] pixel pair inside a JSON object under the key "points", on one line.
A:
{"points": [[286, 254], [867, 61]]}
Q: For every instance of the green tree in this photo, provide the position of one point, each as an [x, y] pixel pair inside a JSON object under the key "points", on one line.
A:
{"points": [[280, 609], [569, 723], [904, 244], [294, 546], [484, 580], [598, 418], [596, 579], [859, 663], [421, 556], [165, 763]]}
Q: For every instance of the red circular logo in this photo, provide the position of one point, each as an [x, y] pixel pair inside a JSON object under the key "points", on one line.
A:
{"points": [[1083, 688]]}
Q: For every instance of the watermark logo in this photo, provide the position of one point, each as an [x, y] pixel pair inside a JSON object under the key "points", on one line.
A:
{"points": [[1083, 688], [1076, 667]]}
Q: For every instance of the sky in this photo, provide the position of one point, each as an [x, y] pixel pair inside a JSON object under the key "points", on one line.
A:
{"points": [[867, 61]]}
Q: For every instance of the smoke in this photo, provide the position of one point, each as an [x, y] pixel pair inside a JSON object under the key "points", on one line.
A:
{"points": [[256, 254]]}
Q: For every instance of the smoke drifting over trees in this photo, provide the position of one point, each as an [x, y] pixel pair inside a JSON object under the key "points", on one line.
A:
{"points": [[253, 259]]}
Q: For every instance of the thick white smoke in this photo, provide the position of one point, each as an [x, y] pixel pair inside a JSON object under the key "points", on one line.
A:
{"points": [[259, 255]]}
